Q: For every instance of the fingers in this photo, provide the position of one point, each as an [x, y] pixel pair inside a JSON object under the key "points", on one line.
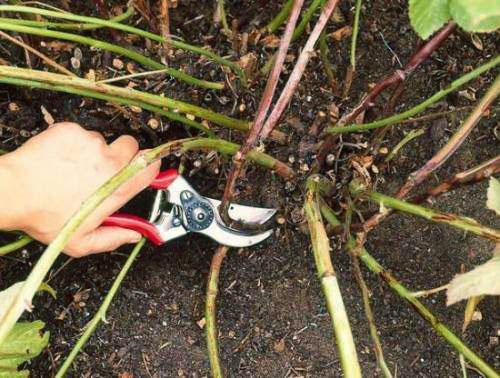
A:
{"points": [[124, 149], [125, 193], [103, 239]]}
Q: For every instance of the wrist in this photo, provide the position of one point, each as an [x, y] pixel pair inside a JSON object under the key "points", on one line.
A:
{"points": [[11, 208]]}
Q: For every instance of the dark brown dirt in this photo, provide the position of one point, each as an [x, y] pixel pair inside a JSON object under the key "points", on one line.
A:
{"points": [[270, 293]]}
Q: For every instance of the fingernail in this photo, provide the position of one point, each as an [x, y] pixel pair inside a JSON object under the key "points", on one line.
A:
{"points": [[136, 239]]}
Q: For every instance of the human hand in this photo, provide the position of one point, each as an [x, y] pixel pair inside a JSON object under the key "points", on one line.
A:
{"points": [[44, 182]]}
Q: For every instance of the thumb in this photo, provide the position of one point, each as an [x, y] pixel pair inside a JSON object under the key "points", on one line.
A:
{"points": [[102, 239]]}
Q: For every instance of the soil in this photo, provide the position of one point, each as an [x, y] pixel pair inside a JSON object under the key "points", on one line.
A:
{"points": [[271, 312]]}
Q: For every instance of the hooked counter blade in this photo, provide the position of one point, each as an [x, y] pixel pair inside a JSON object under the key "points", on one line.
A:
{"points": [[246, 214]]}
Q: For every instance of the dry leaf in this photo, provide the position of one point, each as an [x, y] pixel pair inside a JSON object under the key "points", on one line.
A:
{"points": [[279, 346], [493, 194], [271, 41], [341, 33], [482, 280]]}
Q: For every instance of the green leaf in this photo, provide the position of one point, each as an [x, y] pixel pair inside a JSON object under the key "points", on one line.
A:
{"points": [[23, 343], [482, 280], [427, 16], [476, 15], [493, 194]]}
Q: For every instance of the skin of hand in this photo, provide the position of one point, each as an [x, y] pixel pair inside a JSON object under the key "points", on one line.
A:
{"points": [[44, 182]]}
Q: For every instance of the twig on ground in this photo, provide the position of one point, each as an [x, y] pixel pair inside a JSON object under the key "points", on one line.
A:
{"points": [[165, 28], [426, 293], [211, 311], [34, 51]]}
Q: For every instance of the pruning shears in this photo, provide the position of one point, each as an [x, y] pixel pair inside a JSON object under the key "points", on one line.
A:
{"points": [[178, 210]]}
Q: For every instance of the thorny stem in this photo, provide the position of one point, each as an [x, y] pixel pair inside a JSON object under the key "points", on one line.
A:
{"points": [[100, 315], [454, 142], [298, 70], [418, 306], [7, 72], [265, 103], [473, 175], [211, 311], [113, 48], [398, 118], [329, 282], [128, 29], [16, 245], [397, 76], [466, 224]]}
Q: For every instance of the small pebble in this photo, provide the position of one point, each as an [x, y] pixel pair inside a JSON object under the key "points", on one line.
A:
{"points": [[118, 64], [383, 150], [330, 159], [13, 107], [153, 123], [281, 220]]}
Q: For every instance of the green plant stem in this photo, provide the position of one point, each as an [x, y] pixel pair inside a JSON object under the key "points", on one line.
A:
{"points": [[329, 282], [100, 315], [420, 107], [280, 18], [68, 26], [229, 148], [306, 18], [211, 311], [355, 32], [418, 306], [140, 58], [408, 138], [223, 17], [63, 82], [14, 246], [323, 50], [463, 223], [173, 42], [23, 299]]}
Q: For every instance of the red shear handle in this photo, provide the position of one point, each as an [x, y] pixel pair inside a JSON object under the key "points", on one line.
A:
{"points": [[135, 223], [164, 179]]}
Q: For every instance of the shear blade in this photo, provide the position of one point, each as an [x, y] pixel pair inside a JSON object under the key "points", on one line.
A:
{"points": [[246, 214], [234, 238]]}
